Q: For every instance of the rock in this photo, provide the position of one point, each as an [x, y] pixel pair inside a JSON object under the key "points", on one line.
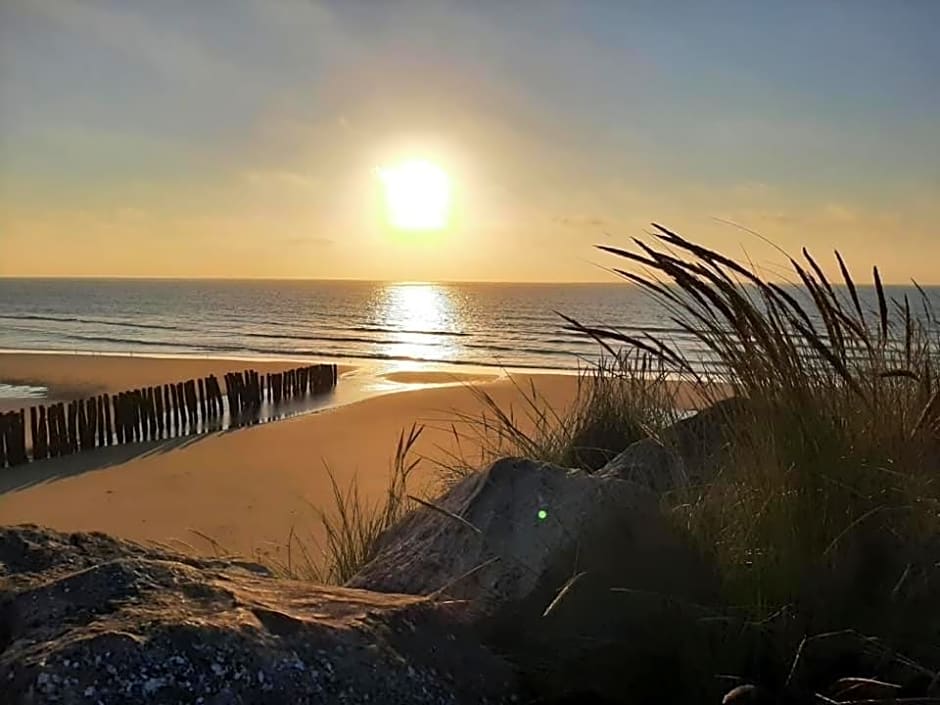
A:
{"points": [[746, 694], [688, 452], [85, 618], [578, 577], [650, 464]]}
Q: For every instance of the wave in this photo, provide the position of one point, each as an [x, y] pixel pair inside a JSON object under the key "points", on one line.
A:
{"points": [[89, 321], [376, 329]]}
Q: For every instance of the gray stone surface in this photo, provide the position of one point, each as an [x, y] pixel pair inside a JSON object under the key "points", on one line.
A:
{"points": [[689, 452], [85, 618], [650, 464], [577, 578]]}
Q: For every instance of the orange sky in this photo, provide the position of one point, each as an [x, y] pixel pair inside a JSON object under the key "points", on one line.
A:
{"points": [[141, 142]]}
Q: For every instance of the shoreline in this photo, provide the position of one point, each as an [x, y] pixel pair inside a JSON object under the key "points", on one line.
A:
{"points": [[341, 360], [45, 377]]}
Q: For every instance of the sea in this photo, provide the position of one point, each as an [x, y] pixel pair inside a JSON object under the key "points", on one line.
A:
{"points": [[513, 326]]}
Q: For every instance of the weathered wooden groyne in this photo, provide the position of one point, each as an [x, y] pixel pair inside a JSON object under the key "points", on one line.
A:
{"points": [[154, 413]]}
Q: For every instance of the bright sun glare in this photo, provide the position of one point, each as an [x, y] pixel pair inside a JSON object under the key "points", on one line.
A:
{"points": [[417, 195]]}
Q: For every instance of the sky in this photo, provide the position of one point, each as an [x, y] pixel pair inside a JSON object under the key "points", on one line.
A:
{"points": [[242, 138]]}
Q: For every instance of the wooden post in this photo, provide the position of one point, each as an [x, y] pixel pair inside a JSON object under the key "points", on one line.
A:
{"points": [[91, 414], [8, 454], [230, 395], [152, 412], [130, 417], [85, 410], [131, 432], [174, 405], [167, 410], [227, 396], [41, 442], [126, 417], [150, 416], [34, 430], [102, 431], [71, 427], [145, 413], [184, 406], [80, 429], [3, 440], [210, 402], [158, 403], [143, 405], [109, 428], [63, 413], [53, 421], [194, 395], [19, 440], [91, 417], [210, 398], [216, 396], [9, 437], [61, 431], [133, 415], [119, 425], [91, 411], [180, 405], [189, 391], [201, 398]]}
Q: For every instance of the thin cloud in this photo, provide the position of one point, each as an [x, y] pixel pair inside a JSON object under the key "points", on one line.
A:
{"points": [[582, 221], [280, 179], [308, 241]]}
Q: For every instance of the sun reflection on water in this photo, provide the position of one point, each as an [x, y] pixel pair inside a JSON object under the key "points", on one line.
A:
{"points": [[424, 319]]}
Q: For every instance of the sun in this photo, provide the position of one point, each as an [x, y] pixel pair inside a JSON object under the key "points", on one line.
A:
{"points": [[417, 195]]}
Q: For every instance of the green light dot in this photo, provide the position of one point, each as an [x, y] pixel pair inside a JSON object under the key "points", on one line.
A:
{"points": [[543, 515]]}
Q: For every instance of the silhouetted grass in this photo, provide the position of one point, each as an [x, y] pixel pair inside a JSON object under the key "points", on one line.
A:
{"points": [[626, 396], [824, 513]]}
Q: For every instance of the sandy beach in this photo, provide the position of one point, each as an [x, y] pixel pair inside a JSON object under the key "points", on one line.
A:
{"points": [[248, 488]]}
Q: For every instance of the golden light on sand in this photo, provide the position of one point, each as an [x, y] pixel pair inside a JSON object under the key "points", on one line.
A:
{"points": [[417, 195]]}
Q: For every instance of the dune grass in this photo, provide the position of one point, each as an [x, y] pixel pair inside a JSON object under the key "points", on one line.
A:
{"points": [[622, 398], [825, 512], [352, 526]]}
